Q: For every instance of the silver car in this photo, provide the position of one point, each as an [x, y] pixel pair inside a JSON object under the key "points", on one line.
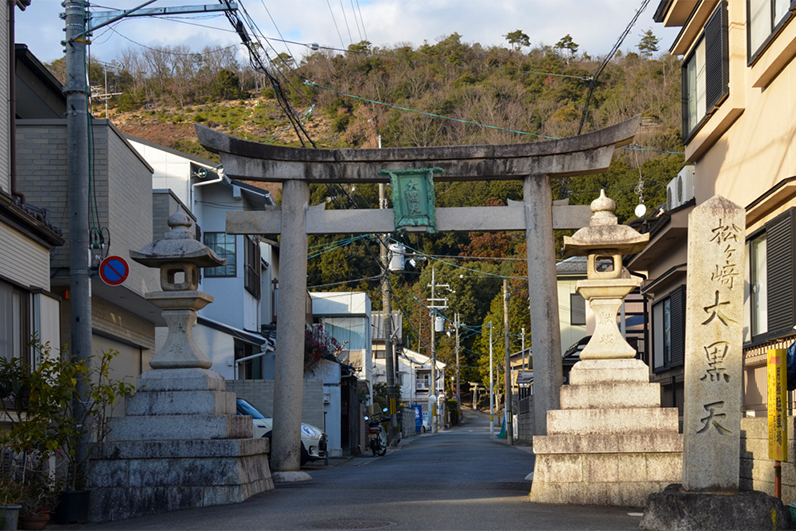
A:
{"points": [[313, 440]]}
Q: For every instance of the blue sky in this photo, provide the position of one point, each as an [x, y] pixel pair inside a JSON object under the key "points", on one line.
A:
{"points": [[594, 24]]}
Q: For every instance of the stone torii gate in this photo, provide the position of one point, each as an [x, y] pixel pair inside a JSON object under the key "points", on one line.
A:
{"points": [[533, 163]]}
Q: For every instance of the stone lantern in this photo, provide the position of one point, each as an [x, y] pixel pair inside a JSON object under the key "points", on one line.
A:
{"points": [[605, 240], [179, 256], [610, 443], [181, 443]]}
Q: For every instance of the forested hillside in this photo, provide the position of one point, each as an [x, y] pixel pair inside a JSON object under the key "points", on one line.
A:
{"points": [[448, 93]]}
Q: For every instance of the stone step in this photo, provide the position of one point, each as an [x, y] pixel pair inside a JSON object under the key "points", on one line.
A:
{"points": [[601, 371], [147, 402], [181, 449], [612, 421], [608, 444], [176, 427], [630, 494], [180, 380], [611, 395], [608, 468]]}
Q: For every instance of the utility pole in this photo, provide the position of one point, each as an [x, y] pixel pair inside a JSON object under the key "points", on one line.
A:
{"points": [[387, 323], [77, 124], [491, 387], [458, 389], [523, 348], [432, 309], [507, 373]]}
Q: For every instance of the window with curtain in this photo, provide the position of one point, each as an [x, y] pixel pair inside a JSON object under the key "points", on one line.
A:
{"points": [[764, 18]]}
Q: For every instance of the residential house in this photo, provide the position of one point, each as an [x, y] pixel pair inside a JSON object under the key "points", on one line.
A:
{"points": [[229, 331], [28, 233], [122, 319], [740, 136], [739, 79]]}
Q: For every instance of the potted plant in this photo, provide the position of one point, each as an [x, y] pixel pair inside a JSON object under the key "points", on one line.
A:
{"points": [[82, 422], [47, 418], [10, 494], [39, 496]]}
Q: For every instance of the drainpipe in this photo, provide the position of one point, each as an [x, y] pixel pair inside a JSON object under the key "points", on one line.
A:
{"points": [[194, 186], [12, 105]]}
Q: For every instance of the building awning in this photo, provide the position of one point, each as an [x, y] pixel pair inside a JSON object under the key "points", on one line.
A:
{"points": [[252, 338]]}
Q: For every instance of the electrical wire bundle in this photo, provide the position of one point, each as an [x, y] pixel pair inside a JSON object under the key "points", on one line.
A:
{"points": [[252, 39]]}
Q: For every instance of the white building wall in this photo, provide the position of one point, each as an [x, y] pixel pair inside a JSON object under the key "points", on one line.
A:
{"points": [[47, 319], [170, 171], [22, 260], [329, 373]]}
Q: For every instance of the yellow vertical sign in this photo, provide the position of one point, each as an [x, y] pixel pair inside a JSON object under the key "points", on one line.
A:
{"points": [[777, 404]]}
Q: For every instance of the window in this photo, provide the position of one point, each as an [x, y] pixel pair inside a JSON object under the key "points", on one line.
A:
{"points": [[770, 303], [577, 310], [252, 267], [668, 331], [224, 246], [757, 289], [350, 331], [14, 322], [423, 381], [706, 72], [765, 18]]}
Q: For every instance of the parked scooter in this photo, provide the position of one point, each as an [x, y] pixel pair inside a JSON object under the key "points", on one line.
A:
{"points": [[376, 436]]}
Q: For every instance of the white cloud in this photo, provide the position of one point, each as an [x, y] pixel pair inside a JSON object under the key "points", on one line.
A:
{"points": [[595, 25]]}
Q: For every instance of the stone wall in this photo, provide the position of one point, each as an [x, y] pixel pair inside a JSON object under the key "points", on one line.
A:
{"points": [[260, 394], [407, 420], [525, 419], [757, 470]]}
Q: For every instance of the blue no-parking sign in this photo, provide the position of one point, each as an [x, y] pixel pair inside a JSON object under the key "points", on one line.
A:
{"points": [[114, 270]]}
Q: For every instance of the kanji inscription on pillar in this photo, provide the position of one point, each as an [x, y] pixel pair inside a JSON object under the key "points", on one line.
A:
{"points": [[413, 197], [714, 346]]}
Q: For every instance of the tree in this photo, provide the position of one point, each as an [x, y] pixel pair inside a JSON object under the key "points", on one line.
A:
{"points": [[648, 44], [566, 43], [518, 39]]}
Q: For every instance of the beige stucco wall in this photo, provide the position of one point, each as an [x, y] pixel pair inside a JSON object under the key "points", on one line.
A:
{"points": [[758, 149], [22, 260]]}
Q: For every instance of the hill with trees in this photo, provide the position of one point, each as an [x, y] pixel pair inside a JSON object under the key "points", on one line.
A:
{"points": [[448, 93]]}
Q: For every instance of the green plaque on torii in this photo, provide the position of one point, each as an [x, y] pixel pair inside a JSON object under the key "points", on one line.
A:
{"points": [[413, 197]]}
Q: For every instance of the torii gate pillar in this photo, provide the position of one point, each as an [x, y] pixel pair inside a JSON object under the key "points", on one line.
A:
{"points": [[535, 164], [543, 298], [289, 361]]}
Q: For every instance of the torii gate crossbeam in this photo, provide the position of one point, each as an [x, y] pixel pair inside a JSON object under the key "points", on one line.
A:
{"points": [[534, 163]]}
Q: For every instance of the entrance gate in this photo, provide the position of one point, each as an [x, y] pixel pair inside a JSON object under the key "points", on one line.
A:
{"points": [[534, 163]]}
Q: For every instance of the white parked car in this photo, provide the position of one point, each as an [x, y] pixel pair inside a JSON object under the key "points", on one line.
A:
{"points": [[313, 440]]}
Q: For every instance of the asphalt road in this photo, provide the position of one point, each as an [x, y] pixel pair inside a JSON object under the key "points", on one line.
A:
{"points": [[457, 479]]}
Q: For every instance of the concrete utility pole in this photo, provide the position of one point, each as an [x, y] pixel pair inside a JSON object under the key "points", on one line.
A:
{"points": [[77, 124], [433, 389], [491, 387], [387, 323], [507, 374], [458, 389], [432, 308]]}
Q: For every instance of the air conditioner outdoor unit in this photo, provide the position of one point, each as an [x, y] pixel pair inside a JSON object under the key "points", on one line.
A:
{"points": [[680, 189]]}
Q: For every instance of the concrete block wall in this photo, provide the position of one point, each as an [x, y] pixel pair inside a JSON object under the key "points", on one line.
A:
{"points": [[757, 470], [42, 174], [407, 422], [525, 420], [260, 394]]}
